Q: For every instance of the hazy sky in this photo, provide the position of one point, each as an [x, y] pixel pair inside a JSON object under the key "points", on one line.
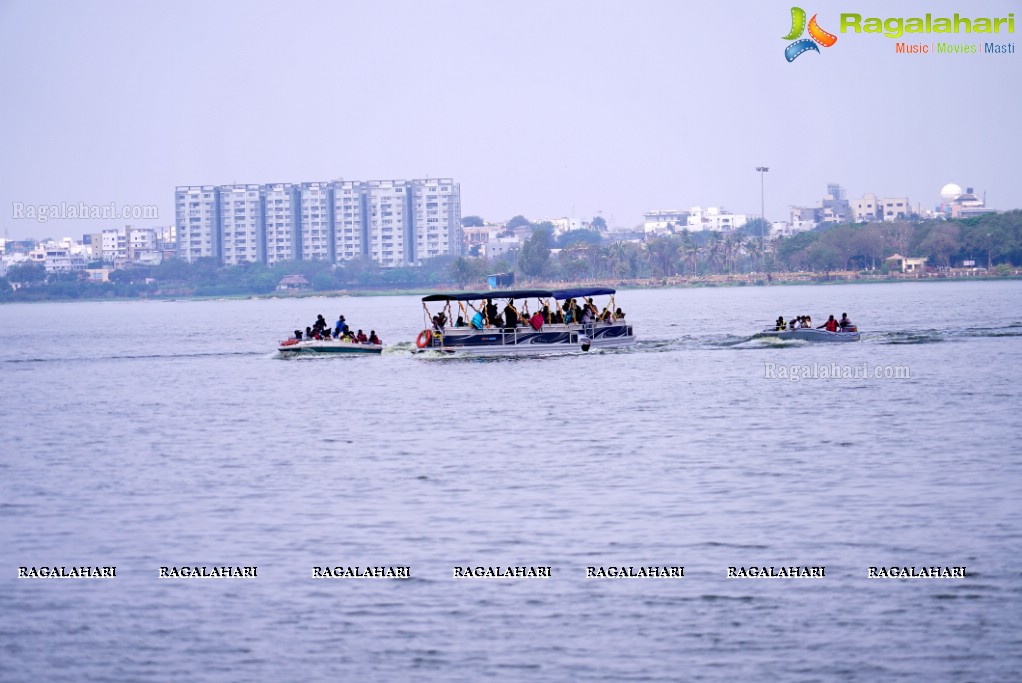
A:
{"points": [[544, 108]]}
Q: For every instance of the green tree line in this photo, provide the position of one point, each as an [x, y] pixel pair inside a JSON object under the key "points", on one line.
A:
{"points": [[991, 240]]}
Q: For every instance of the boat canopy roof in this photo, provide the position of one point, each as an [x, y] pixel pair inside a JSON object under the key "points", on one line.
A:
{"points": [[578, 292], [494, 294], [560, 294]]}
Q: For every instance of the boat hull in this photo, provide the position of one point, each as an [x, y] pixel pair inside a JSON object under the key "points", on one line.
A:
{"points": [[525, 340], [811, 335], [323, 346]]}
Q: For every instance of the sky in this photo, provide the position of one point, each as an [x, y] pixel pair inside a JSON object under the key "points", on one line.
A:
{"points": [[542, 108]]}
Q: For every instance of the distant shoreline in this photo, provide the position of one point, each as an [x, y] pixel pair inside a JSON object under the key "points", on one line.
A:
{"points": [[675, 282]]}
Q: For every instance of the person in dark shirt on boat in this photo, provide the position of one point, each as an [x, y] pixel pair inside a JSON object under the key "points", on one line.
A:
{"points": [[619, 314], [780, 325], [373, 339], [460, 322], [844, 323], [491, 312], [830, 325], [298, 335], [510, 316]]}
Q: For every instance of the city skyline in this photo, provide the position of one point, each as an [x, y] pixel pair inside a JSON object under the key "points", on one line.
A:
{"points": [[564, 109], [392, 222]]}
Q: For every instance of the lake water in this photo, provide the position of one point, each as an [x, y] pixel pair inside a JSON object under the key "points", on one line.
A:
{"points": [[148, 434]]}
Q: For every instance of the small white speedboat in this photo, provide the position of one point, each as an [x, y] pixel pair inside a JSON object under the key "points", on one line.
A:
{"points": [[813, 335], [313, 346]]}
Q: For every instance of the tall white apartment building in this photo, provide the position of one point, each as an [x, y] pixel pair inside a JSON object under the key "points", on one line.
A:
{"points": [[197, 210], [350, 223], [393, 222], [434, 219], [283, 238], [241, 224], [387, 211], [315, 221]]}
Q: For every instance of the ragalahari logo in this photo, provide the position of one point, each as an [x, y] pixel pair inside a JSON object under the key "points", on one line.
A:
{"points": [[798, 26]]}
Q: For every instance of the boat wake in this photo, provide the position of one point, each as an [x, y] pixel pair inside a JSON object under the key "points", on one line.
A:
{"points": [[716, 342], [127, 357], [933, 336]]}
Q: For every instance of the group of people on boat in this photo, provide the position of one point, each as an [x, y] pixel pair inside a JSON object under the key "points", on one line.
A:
{"points": [[805, 322], [489, 314], [321, 331]]}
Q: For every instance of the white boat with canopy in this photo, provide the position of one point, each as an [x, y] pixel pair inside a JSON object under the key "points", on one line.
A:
{"points": [[519, 321]]}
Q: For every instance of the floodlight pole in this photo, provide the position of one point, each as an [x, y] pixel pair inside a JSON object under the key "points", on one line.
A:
{"points": [[762, 216]]}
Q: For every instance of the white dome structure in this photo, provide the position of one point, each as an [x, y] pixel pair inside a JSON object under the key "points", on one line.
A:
{"points": [[950, 192]]}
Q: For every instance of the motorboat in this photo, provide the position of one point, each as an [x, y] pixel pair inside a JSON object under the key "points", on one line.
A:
{"points": [[562, 320], [812, 335], [294, 346]]}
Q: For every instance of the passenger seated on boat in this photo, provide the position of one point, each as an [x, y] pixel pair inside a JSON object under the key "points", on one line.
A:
{"points": [[298, 335], [619, 314], [497, 322], [569, 311], [576, 311], [361, 336], [545, 312], [309, 333], [844, 322], [587, 316], [780, 323], [807, 321], [491, 312], [830, 325], [510, 316], [556, 318], [460, 322], [373, 339]]}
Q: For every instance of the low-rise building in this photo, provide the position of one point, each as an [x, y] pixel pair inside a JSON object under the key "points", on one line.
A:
{"points": [[563, 225], [714, 218], [501, 247], [906, 264], [663, 222]]}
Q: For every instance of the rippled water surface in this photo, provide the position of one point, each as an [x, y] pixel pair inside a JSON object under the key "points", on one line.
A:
{"points": [[169, 433]]}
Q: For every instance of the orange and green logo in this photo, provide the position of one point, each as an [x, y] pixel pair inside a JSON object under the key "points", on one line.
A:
{"points": [[816, 35]]}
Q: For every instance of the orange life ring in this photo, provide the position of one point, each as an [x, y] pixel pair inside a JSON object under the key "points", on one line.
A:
{"points": [[424, 338]]}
